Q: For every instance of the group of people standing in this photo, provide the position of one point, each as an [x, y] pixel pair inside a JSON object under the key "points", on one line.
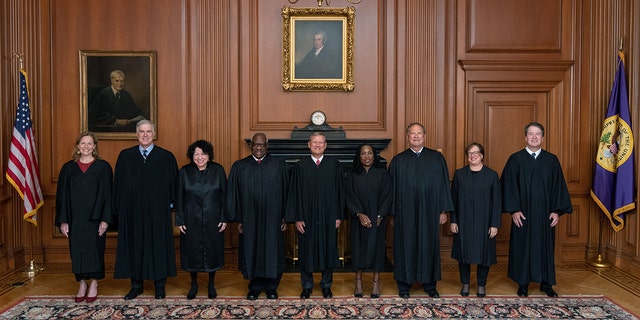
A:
{"points": [[262, 195]]}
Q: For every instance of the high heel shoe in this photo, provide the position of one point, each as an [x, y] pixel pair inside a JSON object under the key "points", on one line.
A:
{"points": [[83, 296], [375, 291], [465, 290], [358, 291], [94, 285]]}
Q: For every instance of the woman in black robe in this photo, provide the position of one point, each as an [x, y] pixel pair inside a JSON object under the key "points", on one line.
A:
{"points": [[200, 215], [368, 197], [477, 200], [83, 212]]}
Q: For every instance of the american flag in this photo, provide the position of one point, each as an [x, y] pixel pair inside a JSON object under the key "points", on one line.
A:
{"points": [[23, 172]]}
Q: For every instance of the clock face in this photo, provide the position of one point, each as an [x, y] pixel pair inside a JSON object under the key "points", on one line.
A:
{"points": [[318, 118]]}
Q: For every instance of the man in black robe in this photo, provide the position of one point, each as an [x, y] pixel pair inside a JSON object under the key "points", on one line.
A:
{"points": [[316, 204], [256, 198], [535, 194], [421, 197], [113, 108], [145, 181]]}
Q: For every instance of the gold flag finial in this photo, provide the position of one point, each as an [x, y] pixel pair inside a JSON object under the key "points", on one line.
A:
{"points": [[620, 46], [19, 56]]}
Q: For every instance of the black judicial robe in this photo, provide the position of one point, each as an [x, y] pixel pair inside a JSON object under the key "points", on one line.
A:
{"points": [[256, 197], [536, 187], [477, 200], [105, 109], [144, 191], [83, 200], [200, 207], [316, 196], [370, 193], [420, 192]]}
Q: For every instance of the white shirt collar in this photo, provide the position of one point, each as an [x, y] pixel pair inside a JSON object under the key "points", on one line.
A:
{"points": [[537, 153]]}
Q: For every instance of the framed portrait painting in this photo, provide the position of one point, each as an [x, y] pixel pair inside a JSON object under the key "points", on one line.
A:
{"points": [[317, 49], [117, 89]]}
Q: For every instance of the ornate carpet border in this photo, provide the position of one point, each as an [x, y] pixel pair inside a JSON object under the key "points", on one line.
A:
{"points": [[387, 307]]}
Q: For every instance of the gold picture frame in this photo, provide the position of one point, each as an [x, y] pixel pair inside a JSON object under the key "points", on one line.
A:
{"points": [[112, 113], [305, 66]]}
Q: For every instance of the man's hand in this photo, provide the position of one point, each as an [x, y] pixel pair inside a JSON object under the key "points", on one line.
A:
{"points": [[102, 228], [518, 218], [454, 227], [554, 217], [300, 226], [443, 218], [493, 231], [64, 228], [364, 220], [122, 122]]}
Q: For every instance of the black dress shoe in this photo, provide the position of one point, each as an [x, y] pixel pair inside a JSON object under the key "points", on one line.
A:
{"points": [[433, 293], [523, 291], [253, 295], [192, 293], [549, 291], [133, 293], [404, 294], [160, 293], [481, 292], [272, 294], [326, 293], [212, 294], [305, 294], [465, 290]]}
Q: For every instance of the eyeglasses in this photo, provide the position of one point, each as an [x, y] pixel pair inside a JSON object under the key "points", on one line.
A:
{"points": [[473, 152]]}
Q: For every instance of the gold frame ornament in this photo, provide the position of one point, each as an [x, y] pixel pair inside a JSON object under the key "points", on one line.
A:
{"points": [[301, 28]]}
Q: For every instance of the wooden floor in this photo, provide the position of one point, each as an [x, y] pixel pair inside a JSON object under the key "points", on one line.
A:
{"points": [[573, 279]]}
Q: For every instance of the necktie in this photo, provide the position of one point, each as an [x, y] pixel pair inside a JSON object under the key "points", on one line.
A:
{"points": [[144, 153], [259, 161], [317, 162], [118, 94], [533, 154], [417, 154]]}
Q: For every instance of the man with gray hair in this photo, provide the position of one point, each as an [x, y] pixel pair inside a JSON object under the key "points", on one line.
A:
{"points": [[145, 182], [113, 108]]}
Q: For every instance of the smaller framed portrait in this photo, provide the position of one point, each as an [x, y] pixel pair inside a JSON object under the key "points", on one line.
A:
{"points": [[317, 49], [117, 89]]}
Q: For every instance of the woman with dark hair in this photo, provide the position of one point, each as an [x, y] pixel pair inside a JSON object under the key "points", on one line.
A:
{"points": [[477, 201], [200, 215], [368, 197], [83, 212]]}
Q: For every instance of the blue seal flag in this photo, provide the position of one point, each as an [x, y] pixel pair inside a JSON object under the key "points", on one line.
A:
{"points": [[613, 181]]}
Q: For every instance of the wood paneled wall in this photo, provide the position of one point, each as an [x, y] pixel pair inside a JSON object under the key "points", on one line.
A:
{"points": [[470, 70]]}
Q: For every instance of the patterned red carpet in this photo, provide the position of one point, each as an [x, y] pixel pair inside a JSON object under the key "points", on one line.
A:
{"points": [[586, 307]]}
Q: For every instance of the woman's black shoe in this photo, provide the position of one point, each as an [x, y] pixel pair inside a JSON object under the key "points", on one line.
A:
{"points": [[192, 292], [465, 290], [481, 292]]}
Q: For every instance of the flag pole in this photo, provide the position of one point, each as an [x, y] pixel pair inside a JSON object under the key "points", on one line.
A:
{"points": [[598, 261], [32, 268]]}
